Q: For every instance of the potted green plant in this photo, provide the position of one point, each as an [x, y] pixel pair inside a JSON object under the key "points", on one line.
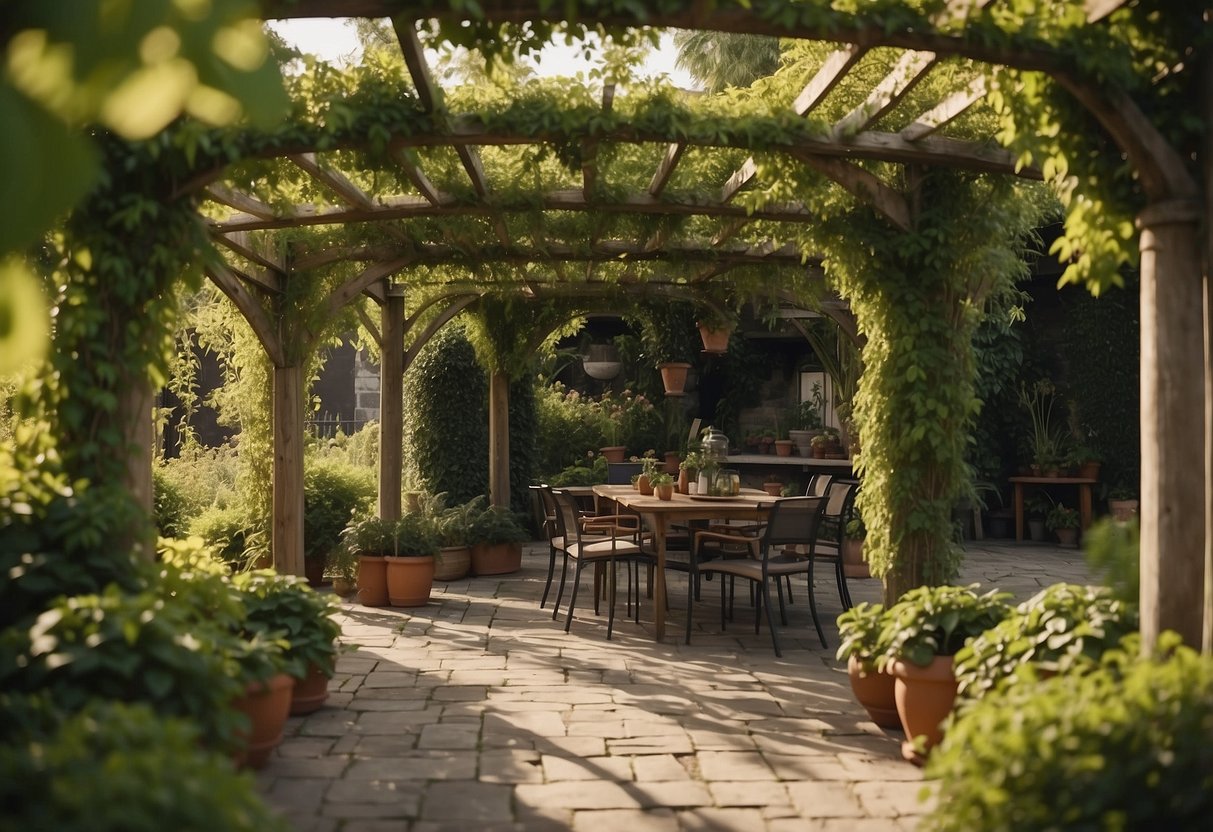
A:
{"points": [[688, 469], [1045, 438], [496, 537], [1063, 522], [853, 563], [1122, 503], [371, 539], [862, 631], [662, 484], [926, 628], [410, 565], [285, 607], [806, 421], [1037, 507], [341, 567], [1064, 628], [453, 524]]}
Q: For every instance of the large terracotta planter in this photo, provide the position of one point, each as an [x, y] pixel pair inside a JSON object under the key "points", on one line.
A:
{"points": [[496, 558], [715, 341], [1067, 537], [409, 580], [674, 377], [267, 705], [372, 581], [874, 689], [614, 453], [1122, 509], [924, 699], [853, 564], [454, 562], [310, 692], [783, 447]]}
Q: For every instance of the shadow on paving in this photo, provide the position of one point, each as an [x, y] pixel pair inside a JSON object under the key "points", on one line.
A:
{"points": [[478, 709]]}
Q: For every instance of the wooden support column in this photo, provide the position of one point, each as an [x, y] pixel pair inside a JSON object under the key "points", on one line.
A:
{"points": [[1206, 153], [287, 533], [391, 406], [135, 417], [1172, 421], [499, 439]]}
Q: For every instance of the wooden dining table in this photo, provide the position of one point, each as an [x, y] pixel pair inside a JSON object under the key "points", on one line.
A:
{"points": [[657, 515]]}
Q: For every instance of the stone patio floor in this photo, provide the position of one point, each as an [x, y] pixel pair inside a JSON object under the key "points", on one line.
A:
{"points": [[479, 712]]}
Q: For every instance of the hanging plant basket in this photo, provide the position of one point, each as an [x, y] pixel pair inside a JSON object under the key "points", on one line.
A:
{"points": [[674, 377], [601, 362], [715, 341]]}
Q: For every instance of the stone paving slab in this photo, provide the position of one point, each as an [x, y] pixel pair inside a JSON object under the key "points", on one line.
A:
{"points": [[479, 711]]}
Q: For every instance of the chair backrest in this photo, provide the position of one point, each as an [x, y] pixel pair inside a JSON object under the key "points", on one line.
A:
{"points": [[838, 501], [792, 520], [818, 485], [546, 508], [567, 524], [620, 473]]}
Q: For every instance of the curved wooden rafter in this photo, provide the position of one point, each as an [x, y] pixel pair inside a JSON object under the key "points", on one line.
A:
{"points": [[443, 318], [353, 287], [254, 313]]}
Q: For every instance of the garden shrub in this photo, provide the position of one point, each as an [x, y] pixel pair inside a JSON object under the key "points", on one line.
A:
{"points": [[332, 493], [227, 529], [132, 648], [118, 767], [445, 415], [169, 506], [567, 425], [1064, 628], [1127, 746], [284, 606], [1113, 551], [202, 476], [359, 449]]}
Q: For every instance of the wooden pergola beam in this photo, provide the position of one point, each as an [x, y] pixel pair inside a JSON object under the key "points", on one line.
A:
{"points": [[589, 149], [253, 312], [406, 157], [832, 70], [910, 68], [335, 181], [866, 186], [239, 200], [661, 177], [945, 110], [239, 242]]}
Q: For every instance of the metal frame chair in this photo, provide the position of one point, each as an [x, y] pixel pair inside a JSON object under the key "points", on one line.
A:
{"points": [[792, 522], [827, 546]]}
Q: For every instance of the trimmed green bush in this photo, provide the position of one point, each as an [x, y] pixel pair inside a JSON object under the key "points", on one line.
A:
{"points": [[332, 493], [227, 529], [1129, 746], [1064, 628], [118, 767], [496, 525], [169, 506], [931, 621]]}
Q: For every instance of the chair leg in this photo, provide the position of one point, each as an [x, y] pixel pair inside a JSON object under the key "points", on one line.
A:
{"points": [[844, 591], [564, 571], [766, 601], [692, 597], [547, 587], [573, 598], [612, 579], [757, 595], [724, 585], [787, 579], [783, 612], [813, 606]]}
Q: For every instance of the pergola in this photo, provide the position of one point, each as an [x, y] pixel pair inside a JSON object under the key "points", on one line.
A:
{"points": [[1177, 521]]}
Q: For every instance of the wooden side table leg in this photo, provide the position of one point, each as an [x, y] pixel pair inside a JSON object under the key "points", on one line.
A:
{"points": [[1019, 512], [1084, 506]]}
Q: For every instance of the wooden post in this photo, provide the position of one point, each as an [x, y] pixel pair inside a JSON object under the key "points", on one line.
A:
{"points": [[287, 535], [135, 417], [499, 439], [391, 406], [1206, 153], [1172, 422]]}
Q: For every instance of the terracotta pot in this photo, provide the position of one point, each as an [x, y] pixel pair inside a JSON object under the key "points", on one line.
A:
{"points": [[614, 453], [664, 492], [774, 489], [1089, 470], [496, 558], [313, 570], [674, 377], [344, 587], [409, 580], [853, 564], [372, 581], [819, 452], [671, 462], [310, 692], [642, 485], [267, 705], [412, 501], [684, 481], [454, 562], [1067, 537], [924, 699], [783, 447], [802, 440], [1123, 509], [715, 340], [874, 690]]}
